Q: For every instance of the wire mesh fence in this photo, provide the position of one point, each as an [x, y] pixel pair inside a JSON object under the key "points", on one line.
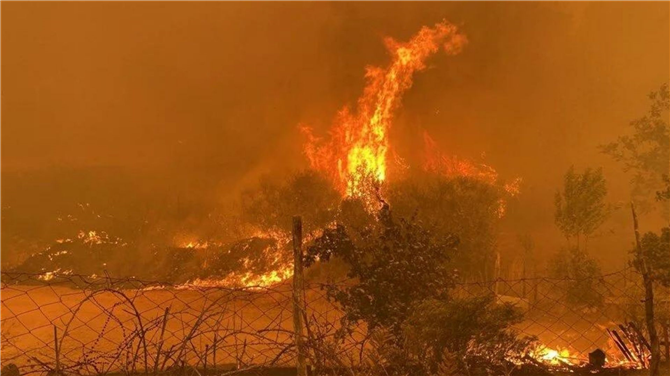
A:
{"points": [[89, 326]]}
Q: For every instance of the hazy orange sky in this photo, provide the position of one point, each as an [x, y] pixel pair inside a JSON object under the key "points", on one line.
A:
{"points": [[218, 89], [156, 83]]}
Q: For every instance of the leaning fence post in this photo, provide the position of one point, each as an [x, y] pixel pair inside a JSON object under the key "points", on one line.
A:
{"points": [[160, 341], [298, 291], [56, 350], [648, 299]]}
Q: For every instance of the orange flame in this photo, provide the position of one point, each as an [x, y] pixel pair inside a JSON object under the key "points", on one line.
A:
{"points": [[357, 150], [452, 166], [439, 163]]}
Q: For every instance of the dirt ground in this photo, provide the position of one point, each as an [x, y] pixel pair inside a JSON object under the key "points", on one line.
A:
{"points": [[251, 327]]}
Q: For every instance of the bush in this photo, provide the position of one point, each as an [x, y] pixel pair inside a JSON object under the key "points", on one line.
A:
{"points": [[468, 335], [578, 276]]}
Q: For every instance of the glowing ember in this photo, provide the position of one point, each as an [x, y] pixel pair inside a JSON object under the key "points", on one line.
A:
{"points": [[357, 150]]}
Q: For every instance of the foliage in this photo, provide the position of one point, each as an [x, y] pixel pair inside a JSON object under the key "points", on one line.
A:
{"points": [[465, 207], [579, 275], [396, 263], [476, 333], [400, 289], [664, 194], [656, 253], [647, 151], [580, 207], [271, 205]]}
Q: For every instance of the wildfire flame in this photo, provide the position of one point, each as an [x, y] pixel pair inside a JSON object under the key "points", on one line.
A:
{"points": [[448, 165], [555, 357], [435, 161], [562, 358], [249, 276], [358, 146]]}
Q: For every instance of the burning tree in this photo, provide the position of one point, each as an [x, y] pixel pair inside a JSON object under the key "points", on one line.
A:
{"points": [[358, 145]]}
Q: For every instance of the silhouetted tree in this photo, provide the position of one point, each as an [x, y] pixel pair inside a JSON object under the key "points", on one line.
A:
{"points": [[271, 204], [578, 277], [400, 286], [396, 263], [466, 207], [580, 206], [656, 253], [647, 151]]}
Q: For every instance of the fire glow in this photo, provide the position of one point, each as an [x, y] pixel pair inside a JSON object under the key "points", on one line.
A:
{"points": [[357, 150]]}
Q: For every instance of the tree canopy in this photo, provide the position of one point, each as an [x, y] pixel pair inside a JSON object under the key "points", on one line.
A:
{"points": [[646, 151], [272, 204], [395, 262], [465, 207], [580, 206]]}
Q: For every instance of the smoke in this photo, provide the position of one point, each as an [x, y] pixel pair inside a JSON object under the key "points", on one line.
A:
{"points": [[171, 110]]}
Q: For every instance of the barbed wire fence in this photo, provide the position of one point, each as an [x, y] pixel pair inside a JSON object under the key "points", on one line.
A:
{"points": [[89, 326]]}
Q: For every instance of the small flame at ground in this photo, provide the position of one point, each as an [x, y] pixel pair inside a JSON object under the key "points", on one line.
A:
{"points": [[555, 357]]}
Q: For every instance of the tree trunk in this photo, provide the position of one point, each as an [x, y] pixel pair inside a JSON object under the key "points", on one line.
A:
{"points": [[648, 301]]}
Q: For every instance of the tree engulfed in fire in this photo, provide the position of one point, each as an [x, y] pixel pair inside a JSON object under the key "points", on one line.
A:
{"points": [[358, 145]]}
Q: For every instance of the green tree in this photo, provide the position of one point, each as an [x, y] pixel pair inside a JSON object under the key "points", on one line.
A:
{"points": [[656, 254], [401, 279], [272, 204], [396, 263], [578, 277], [651, 261], [581, 207], [646, 151], [465, 207]]}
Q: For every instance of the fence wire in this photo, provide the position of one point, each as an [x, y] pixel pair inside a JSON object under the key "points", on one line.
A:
{"points": [[91, 326]]}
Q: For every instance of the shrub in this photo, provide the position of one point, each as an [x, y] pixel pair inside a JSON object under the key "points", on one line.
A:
{"points": [[470, 334]]}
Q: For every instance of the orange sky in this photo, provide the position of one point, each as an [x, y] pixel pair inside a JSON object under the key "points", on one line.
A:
{"points": [[218, 89]]}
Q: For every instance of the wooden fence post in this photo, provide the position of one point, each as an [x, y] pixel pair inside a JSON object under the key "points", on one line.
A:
{"points": [[204, 364], [56, 350], [298, 292]]}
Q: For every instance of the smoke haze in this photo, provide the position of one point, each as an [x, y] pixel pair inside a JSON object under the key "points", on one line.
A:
{"points": [[180, 106]]}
